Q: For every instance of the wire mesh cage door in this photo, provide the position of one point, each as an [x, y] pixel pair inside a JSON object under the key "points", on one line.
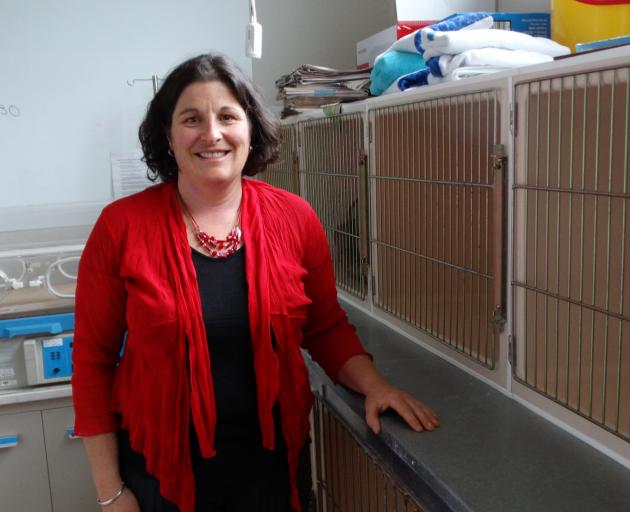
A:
{"points": [[332, 180], [435, 205], [284, 173], [571, 273], [348, 477]]}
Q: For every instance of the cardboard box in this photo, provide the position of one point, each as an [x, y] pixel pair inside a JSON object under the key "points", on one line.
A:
{"points": [[370, 48], [404, 28]]}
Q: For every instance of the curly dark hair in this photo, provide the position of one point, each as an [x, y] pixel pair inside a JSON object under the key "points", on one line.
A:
{"points": [[265, 129]]}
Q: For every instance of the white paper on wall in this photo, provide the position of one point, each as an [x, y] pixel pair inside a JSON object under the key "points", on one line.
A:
{"points": [[129, 174]]}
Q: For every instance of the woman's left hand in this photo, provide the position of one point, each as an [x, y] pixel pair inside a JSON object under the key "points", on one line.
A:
{"points": [[418, 415], [360, 374]]}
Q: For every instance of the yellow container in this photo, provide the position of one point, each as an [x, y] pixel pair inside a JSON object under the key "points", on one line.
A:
{"points": [[583, 21]]}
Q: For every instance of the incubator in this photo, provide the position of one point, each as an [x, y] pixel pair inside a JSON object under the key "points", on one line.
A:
{"points": [[38, 272]]}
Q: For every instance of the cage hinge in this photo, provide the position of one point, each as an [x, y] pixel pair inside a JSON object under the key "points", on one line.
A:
{"points": [[370, 127]]}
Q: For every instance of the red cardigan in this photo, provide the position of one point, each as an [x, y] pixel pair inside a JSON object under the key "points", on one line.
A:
{"points": [[136, 276]]}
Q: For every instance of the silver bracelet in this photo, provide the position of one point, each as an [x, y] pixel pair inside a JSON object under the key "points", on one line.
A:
{"points": [[109, 501]]}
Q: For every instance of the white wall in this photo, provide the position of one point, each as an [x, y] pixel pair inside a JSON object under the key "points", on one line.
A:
{"points": [[65, 66], [524, 5], [323, 32], [432, 10]]}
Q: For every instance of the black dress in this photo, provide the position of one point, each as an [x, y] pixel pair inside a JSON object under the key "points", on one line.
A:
{"points": [[242, 476]]}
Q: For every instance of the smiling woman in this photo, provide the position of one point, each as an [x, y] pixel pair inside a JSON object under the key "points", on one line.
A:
{"points": [[208, 407]]}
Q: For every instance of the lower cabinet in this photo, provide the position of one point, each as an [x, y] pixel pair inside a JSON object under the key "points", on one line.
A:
{"points": [[23, 470], [43, 468]]}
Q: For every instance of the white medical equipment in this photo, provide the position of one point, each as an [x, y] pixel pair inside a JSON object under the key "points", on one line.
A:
{"points": [[37, 286]]}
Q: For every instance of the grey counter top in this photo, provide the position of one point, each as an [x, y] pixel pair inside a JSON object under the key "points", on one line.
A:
{"points": [[490, 454]]}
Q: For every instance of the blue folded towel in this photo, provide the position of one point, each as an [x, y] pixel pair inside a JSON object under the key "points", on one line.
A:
{"points": [[415, 79], [414, 73], [391, 65], [434, 65]]}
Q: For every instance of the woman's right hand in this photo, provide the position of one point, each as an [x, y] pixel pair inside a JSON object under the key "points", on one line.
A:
{"points": [[126, 503], [102, 452]]}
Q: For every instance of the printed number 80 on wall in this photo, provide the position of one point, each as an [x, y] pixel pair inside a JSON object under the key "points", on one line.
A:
{"points": [[9, 110]]}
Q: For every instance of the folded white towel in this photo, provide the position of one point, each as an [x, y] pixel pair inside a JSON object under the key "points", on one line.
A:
{"points": [[452, 43], [491, 57], [410, 42], [456, 74], [465, 72]]}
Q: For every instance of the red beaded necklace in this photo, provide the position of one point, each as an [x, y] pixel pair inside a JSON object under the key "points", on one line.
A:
{"points": [[210, 244]]}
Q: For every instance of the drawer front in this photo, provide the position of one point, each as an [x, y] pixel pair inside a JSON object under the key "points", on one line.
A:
{"points": [[23, 474]]}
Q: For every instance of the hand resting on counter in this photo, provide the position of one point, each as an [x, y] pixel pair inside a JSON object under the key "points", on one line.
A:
{"points": [[360, 374]]}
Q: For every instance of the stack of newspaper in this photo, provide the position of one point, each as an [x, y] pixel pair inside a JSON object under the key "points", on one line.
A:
{"points": [[311, 87]]}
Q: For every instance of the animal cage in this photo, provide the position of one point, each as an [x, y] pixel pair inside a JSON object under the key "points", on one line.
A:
{"points": [[571, 273], [433, 236], [332, 180], [328, 169]]}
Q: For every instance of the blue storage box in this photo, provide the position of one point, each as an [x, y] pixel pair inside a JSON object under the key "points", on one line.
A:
{"points": [[536, 24]]}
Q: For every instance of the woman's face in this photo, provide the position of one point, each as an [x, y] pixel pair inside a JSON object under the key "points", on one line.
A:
{"points": [[210, 135]]}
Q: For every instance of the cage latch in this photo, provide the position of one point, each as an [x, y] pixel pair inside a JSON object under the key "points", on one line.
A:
{"points": [[498, 172]]}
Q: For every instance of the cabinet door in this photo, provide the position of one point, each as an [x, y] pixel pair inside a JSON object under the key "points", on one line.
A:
{"points": [[71, 485], [23, 473]]}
